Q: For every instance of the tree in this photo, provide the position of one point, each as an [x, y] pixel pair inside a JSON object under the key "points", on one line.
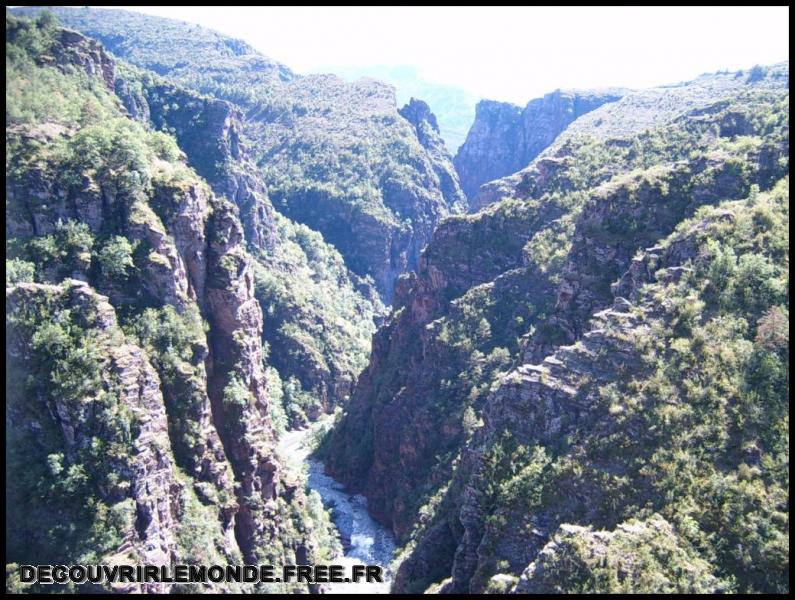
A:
{"points": [[237, 393], [115, 258], [46, 20], [757, 72], [773, 329], [19, 271]]}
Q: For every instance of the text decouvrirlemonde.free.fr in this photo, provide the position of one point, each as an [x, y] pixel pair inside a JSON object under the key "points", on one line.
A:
{"points": [[52, 574]]}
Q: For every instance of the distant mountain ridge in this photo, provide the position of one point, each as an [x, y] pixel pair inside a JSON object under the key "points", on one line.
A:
{"points": [[191, 47], [626, 117], [453, 106]]}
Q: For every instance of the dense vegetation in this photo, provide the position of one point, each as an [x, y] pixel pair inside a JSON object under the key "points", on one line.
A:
{"points": [[707, 452], [319, 319], [98, 202], [336, 156], [478, 469], [583, 387], [296, 310], [67, 364]]}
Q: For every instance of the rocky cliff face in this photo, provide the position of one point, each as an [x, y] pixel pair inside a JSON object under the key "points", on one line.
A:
{"points": [[505, 138], [237, 387], [210, 132], [492, 145], [635, 115], [70, 48], [140, 486], [419, 114], [503, 290], [399, 414], [576, 389], [162, 432], [377, 202], [627, 213]]}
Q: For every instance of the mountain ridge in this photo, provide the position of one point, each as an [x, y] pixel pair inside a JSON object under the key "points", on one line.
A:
{"points": [[573, 380], [388, 197]]}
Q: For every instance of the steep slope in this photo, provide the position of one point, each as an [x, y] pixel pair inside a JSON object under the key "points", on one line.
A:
{"points": [[339, 158], [310, 373], [336, 156], [624, 119], [509, 285], [504, 137], [612, 431], [301, 281], [426, 126], [98, 434], [94, 196]]}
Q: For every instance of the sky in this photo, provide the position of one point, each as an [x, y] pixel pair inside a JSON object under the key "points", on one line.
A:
{"points": [[510, 53]]}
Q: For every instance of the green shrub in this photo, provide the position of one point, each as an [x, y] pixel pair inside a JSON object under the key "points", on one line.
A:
{"points": [[19, 271], [116, 258], [236, 393]]}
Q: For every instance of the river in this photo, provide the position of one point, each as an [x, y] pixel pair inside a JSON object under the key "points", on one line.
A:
{"points": [[364, 540]]}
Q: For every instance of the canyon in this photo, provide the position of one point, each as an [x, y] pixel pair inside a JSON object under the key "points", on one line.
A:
{"points": [[255, 316]]}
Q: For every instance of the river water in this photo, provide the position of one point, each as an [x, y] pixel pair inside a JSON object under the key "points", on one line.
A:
{"points": [[364, 540]]}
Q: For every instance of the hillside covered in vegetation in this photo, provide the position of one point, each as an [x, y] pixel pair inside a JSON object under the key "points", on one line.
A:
{"points": [[573, 380], [142, 414], [581, 359], [336, 156]]}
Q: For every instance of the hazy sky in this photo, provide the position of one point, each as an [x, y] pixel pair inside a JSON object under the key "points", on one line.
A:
{"points": [[510, 53]]}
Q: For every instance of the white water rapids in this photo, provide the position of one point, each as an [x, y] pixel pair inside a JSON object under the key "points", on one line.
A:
{"points": [[364, 540]]}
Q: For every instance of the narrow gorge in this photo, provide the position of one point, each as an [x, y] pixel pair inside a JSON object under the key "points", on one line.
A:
{"points": [[261, 317]]}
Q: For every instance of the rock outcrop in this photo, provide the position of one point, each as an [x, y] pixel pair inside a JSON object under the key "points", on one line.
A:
{"points": [[419, 114], [74, 49], [164, 430], [143, 490], [376, 202], [627, 213], [209, 132], [577, 559], [235, 359], [505, 138]]}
